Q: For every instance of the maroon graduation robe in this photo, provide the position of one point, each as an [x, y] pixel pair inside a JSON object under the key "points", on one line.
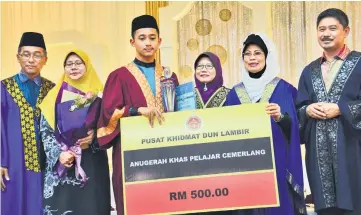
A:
{"points": [[126, 87]]}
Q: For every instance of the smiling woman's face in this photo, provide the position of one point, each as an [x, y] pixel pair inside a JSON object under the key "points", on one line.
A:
{"points": [[205, 70], [254, 59], [74, 67]]}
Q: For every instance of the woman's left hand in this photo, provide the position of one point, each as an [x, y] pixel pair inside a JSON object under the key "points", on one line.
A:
{"points": [[274, 110]]}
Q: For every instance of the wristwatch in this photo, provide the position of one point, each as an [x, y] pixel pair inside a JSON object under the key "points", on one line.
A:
{"points": [[281, 117], [133, 111]]}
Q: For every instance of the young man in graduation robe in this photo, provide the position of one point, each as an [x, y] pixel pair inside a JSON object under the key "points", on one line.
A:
{"points": [[132, 90], [329, 108]]}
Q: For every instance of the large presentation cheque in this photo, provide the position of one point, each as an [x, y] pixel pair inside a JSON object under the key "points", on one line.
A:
{"points": [[201, 160]]}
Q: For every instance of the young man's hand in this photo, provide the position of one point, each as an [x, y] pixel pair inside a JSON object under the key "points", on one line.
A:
{"points": [[151, 113]]}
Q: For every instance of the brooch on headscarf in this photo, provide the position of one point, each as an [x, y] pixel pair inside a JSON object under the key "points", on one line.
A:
{"points": [[205, 87]]}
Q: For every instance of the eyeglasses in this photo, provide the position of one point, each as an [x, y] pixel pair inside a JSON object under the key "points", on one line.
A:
{"points": [[255, 54], [207, 66], [76, 63], [26, 56]]}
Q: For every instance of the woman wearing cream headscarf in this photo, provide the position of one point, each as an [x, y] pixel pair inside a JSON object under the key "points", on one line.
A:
{"points": [[260, 84], [77, 175]]}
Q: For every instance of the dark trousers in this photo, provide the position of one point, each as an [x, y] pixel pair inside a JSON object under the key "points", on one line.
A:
{"points": [[331, 211]]}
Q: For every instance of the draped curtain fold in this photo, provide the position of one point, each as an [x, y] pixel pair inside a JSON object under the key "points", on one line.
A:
{"points": [[295, 33], [102, 29], [218, 27]]}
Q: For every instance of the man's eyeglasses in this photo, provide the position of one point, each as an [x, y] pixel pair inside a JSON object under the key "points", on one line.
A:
{"points": [[207, 66], [26, 56], [76, 63]]}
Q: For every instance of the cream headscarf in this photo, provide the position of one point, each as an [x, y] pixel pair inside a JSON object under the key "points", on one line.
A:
{"points": [[90, 82], [256, 87]]}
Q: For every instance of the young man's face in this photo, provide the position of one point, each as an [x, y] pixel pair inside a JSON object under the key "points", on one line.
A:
{"points": [[146, 42], [331, 34]]}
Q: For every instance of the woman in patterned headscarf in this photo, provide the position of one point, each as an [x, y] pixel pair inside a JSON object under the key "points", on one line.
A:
{"points": [[210, 91]]}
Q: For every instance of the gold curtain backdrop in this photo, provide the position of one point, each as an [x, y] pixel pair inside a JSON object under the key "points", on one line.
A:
{"points": [[295, 33], [152, 7], [102, 29], [218, 27]]}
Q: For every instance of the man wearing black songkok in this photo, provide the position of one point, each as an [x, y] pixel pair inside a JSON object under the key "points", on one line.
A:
{"points": [[132, 90], [21, 148]]}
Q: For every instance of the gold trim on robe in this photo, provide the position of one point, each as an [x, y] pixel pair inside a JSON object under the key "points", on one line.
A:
{"points": [[112, 125], [27, 117], [152, 101], [216, 100]]}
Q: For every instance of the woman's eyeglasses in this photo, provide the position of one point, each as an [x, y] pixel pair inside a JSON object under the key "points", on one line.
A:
{"points": [[207, 66], [76, 63]]}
